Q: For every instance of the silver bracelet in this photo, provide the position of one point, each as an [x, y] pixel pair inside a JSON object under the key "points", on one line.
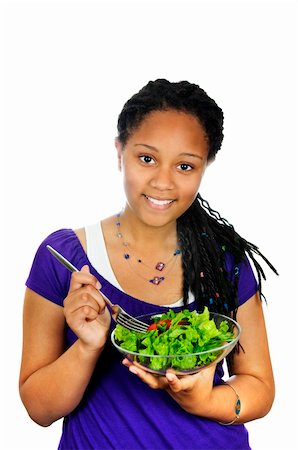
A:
{"points": [[237, 407]]}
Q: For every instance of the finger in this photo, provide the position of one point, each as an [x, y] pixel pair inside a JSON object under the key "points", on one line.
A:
{"points": [[79, 279], [187, 382], [175, 384], [90, 313], [72, 305], [153, 381], [85, 314], [81, 317], [87, 295]]}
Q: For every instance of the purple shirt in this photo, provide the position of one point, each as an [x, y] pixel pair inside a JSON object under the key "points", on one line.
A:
{"points": [[119, 411]]}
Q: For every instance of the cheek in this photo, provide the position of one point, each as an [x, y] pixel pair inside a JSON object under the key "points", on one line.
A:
{"points": [[191, 189], [131, 180]]}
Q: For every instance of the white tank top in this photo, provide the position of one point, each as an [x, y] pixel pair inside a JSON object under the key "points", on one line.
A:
{"points": [[98, 256]]}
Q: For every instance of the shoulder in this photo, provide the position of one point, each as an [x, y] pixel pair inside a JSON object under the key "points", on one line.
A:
{"points": [[67, 242], [81, 235], [47, 276], [63, 240]]}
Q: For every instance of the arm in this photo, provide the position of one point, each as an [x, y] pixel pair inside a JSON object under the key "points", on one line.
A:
{"points": [[251, 376], [53, 381]]}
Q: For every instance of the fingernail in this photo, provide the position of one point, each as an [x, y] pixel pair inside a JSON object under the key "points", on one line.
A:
{"points": [[132, 369], [170, 376], [98, 285]]}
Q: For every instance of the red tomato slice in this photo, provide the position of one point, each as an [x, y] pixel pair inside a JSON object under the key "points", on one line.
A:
{"points": [[166, 322], [154, 326]]}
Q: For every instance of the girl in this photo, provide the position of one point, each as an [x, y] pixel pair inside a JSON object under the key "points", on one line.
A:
{"points": [[167, 249]]}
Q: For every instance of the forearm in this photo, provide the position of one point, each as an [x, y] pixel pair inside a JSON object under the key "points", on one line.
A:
{"points": [[255, 395], [55, 390]]}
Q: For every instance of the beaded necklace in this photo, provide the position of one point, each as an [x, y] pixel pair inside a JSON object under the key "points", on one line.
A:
{"points": [[160, 266]]}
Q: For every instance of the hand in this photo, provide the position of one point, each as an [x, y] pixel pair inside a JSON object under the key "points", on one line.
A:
{"points": [[192, 392], [85, 310]]}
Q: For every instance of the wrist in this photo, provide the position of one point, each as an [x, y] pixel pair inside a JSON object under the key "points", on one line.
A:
{"points": [[196, 401], [237, 406], [224, 405], [87, 351]]}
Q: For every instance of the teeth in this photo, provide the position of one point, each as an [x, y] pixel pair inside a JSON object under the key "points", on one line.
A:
{"points": [[158, 202]]}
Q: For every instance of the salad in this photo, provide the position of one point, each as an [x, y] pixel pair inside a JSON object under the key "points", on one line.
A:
{"points": [[178, 338]]}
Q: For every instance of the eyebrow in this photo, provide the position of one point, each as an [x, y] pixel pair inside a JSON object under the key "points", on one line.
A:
{"points": [[151, 147]]}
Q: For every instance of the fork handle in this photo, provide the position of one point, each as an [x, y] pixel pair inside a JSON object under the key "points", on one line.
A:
{"points": [[72, 268]]}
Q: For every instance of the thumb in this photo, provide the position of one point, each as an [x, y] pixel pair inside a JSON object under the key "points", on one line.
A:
{"points": [[85, 269], [78, 279], [173, 381]]}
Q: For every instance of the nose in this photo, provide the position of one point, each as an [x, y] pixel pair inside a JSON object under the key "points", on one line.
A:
{"points": [[162, 179]]}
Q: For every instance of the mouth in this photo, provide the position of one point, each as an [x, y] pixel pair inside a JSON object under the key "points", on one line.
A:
{"points": [[158, 202]]}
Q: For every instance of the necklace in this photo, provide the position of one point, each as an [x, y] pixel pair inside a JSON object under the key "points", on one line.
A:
{"points": [[159, 266]]}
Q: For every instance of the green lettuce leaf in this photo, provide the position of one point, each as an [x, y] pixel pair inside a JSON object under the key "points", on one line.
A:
{"points": [[189, 332]]}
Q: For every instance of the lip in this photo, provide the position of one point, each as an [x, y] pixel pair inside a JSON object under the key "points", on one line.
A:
{"points": [[158, 203]]}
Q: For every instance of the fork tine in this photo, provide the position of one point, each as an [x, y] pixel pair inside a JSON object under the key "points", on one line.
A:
{"points": [[134, 320], [128, 325], [132, 323], [138, 324]]}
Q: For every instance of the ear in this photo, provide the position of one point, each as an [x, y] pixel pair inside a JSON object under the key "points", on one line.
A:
{"points": [[119, 148]]}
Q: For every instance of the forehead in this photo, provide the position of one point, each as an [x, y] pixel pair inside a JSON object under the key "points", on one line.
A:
{"points": [[171, 125]]}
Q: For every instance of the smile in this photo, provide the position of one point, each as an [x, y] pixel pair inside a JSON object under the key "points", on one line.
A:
{"points": [[157, 202]]}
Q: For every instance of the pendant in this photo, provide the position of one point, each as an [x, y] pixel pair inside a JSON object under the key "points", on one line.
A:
{"points": [[160, 266], [156, 280]]}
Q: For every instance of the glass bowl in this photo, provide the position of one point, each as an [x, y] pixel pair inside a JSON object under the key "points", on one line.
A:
{"points": [[186, 363]]}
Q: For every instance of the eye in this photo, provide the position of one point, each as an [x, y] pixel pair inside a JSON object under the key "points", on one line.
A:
{"points": [[147, 159], [185, 167]]}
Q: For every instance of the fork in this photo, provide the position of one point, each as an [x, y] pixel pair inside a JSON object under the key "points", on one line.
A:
{"points": [[118, 314]]}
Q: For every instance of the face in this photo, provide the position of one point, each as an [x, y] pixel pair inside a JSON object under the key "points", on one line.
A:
{"points": [[163, 163]]}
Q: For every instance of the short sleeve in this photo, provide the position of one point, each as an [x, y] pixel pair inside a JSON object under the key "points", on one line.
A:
{"points": [[47, 276], [244, 274]]}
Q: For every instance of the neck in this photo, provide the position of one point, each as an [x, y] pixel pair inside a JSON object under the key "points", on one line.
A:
{"points": [[141, 234]]}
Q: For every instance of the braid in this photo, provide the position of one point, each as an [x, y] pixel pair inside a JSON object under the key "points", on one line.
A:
{"points": [[213, 213], [206, 239]]}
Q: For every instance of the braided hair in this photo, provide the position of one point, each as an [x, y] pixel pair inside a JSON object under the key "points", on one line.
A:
{"points": [[206, 239]]}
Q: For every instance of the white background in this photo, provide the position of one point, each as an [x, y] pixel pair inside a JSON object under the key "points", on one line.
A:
{"points": [[67, 67]]}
